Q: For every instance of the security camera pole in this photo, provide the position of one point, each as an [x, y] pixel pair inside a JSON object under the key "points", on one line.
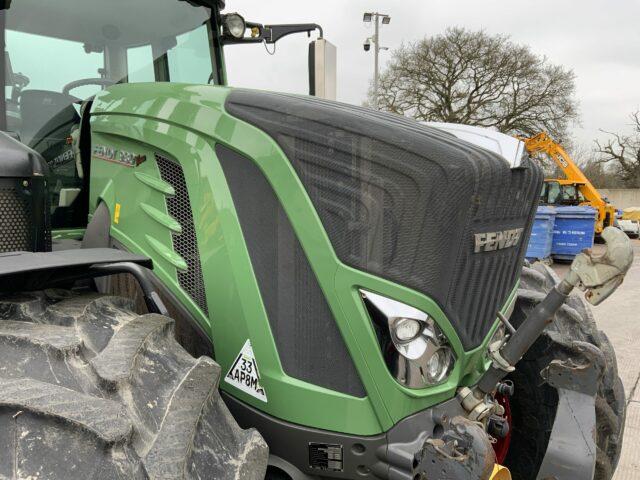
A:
{"points": [[368, 16]]}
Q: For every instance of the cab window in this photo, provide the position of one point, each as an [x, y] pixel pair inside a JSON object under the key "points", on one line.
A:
{"points": [[553, 193], [59, 58], [184, 59]]}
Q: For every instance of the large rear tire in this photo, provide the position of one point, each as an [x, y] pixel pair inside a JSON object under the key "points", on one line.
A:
{"points": [[534, 403], [90, 390]]}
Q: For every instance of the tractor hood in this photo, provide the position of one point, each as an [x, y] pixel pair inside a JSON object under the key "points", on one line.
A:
{"points": [[267, 214], [406, 202]]}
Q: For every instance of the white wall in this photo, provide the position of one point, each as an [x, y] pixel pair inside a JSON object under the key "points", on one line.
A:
{"points": [[622, 198]]}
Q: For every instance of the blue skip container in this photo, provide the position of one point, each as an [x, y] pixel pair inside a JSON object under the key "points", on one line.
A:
{"points": [[541, 237], [573, 231]]}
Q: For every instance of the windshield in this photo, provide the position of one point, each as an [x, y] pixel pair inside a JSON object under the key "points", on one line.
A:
{"points": [[61, 51], [553, 192], [569, 194]]}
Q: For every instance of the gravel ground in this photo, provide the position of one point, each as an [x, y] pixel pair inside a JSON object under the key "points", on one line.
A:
{"points": [[619, 318]]}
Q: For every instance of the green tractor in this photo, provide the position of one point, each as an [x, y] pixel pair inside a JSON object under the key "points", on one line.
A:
{"points": [[202, 282]]}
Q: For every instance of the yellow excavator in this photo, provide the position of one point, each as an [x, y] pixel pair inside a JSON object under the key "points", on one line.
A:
{"points": [[575, 189]]}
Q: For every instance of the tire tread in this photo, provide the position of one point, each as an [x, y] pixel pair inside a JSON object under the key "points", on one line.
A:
{"points": [[99, 392]]}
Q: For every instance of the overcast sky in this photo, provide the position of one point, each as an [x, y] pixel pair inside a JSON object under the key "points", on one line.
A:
{"points": [[599, 40]]}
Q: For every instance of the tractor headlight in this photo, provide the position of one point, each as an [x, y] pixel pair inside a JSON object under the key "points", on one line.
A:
{"points": [[234, 25], [438, 365], [416, 351], [406, 329]]}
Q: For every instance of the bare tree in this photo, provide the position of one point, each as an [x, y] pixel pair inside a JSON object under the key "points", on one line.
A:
{"points": [[600, 174], [623, 152], [479, 79]]}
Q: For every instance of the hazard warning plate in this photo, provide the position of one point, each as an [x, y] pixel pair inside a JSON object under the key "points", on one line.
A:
{"points": [[244, 373]]}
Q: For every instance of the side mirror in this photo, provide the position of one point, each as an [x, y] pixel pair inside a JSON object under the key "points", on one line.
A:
{"points": [[322, 69], [322, 54], [5, 4]]}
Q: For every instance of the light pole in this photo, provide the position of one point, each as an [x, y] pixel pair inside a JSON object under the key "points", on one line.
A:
{"points": [[368, 17]]}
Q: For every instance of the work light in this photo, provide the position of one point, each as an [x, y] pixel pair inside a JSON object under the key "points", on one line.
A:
{"points": [[415, 350], [234, 25]]}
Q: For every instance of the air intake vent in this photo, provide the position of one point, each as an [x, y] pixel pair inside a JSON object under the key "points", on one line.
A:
{"points": [[185, 244], [15, 218]]}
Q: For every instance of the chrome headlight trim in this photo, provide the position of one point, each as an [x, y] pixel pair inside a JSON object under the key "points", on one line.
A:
{"points": [[409, 360]]}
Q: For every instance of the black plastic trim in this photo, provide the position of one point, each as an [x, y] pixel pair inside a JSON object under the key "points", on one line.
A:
{"points": [[22, 271], [18, 160], [388, 455], [309, 342], [290, 441]]}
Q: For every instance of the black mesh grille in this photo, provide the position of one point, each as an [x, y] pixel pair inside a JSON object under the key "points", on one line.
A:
{"points": [[48, 242], [15, 218], [309, 343], [403, 201], [185, 244]]}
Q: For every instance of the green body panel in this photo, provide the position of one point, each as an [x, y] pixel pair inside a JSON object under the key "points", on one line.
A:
{"points": [[184, 123]]}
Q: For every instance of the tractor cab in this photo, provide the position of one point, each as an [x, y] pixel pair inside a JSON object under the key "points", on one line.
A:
{"points": [[555, 192], [59, 54]]}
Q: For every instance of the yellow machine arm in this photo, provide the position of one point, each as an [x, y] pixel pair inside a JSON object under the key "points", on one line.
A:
{"points": [[542, 143]]}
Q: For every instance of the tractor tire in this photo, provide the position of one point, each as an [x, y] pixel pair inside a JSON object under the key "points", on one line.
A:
{"points": [[533, 406], [91, 390]]}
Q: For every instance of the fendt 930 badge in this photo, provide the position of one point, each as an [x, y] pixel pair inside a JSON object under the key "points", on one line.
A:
{"points": [[128, 159]]}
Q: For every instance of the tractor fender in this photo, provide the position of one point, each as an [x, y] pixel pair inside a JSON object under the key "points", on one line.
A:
{"points": [[571, 453], [193, 337]]}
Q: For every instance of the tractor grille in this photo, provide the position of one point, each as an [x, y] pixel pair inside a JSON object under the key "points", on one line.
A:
{"points": [[404, 201], [310, 346], [15, 218], [185, 244]]}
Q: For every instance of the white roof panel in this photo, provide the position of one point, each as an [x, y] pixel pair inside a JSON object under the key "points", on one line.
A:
{"points": [[510, 148]]}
